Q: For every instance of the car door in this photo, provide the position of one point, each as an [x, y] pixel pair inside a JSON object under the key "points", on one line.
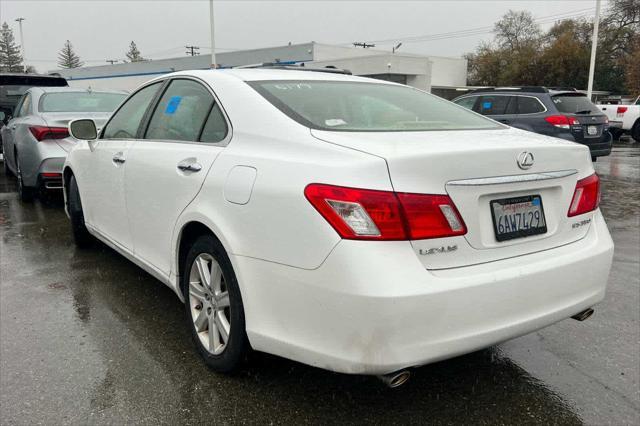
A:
{"points": [[501, 108], [102, 168], [9, 131], [166, 168]]}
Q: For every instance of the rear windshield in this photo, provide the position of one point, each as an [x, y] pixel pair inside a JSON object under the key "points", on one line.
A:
{"points": [[80, 102], [367, 107], [574, 104]]}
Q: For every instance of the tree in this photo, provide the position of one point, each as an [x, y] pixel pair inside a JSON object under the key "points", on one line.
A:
{"points": [[516, 30], [10, 58], [67, 58], [133, 55], [522, 55]]}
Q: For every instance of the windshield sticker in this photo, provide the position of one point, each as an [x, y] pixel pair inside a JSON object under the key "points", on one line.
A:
{"points": [[331, 122], [172, 105], [486, 105]]}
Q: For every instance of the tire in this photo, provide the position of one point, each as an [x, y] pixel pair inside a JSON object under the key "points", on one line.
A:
{"points": [[5, 166], [81, 236], [214, 305], [635, 131], [25, 193]]}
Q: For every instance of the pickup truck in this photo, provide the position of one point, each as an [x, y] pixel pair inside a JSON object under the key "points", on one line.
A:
{"points": [[626, 118]]}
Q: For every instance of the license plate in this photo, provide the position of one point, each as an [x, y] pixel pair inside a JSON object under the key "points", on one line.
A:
{"points": [[592, 130], [518, 217]]}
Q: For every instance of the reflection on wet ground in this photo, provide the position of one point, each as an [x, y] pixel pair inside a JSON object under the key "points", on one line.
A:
{"points": [[87, 337]]}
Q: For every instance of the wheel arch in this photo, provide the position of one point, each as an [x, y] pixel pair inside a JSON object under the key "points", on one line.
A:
{"points": [[66, 178], [189, 232]]}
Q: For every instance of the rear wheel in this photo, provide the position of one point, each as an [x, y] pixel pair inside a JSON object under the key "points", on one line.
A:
{"points": [[635, 131], [81, 235], [214, 310], [25, 193]]}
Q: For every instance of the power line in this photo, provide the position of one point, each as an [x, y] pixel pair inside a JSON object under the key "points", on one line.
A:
{"points": [[479, 30]]}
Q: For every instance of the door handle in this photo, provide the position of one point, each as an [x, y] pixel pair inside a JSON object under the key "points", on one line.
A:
{"points": [[119, 158], [189, 165]]}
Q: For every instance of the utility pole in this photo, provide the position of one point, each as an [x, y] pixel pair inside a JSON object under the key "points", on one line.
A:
{"points": [[213, 38], [19, 21], [111, 61], [364, 45], [594, 47], [191, 50]]}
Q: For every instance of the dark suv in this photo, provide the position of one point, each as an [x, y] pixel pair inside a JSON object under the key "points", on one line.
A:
{"points": [[563, 113]]}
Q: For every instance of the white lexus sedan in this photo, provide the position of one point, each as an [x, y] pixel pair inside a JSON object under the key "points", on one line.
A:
{"points": [[352, 224]]}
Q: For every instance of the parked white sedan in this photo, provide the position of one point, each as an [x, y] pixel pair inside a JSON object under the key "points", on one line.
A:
{"points": [[352, 224]]}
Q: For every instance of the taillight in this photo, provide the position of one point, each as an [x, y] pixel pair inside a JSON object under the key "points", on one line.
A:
{"points": [[364, 214], [45, 132], [586, 197], [621, 110], [562, 121]]}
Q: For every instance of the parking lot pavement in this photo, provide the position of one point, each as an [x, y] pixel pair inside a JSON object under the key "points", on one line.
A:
{"points": [[87, 337]]}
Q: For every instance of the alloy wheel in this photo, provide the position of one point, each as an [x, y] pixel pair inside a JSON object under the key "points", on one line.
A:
{"points": [[209, 303]]}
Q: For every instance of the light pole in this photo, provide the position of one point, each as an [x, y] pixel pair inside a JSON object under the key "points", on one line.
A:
{"points": [[19, 21], [213, 41], [594, 47]]}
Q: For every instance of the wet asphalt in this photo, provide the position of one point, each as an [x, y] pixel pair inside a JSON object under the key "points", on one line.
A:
{"points": [[86, 337]]}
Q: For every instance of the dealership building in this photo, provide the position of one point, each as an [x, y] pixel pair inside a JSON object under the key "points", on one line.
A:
{"points": [[439, 75]]}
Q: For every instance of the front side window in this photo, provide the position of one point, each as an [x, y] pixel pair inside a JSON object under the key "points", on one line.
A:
{"points": [[366, 107], [467, 102], [181, 113], [80, 101], [125, 122], [527, 105]]}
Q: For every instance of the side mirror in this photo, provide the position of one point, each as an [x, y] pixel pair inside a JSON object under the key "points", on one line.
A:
{"points": [[84, 129]]}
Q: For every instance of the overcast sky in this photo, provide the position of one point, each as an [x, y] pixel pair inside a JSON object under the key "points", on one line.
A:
{"points": [[101, 30]]}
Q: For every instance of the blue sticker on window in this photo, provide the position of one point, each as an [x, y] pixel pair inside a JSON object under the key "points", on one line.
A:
{"points": [[486, 105], [172, 105]]}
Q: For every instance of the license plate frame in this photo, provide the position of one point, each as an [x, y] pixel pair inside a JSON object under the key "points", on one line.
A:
{"points": [[520, 232]]}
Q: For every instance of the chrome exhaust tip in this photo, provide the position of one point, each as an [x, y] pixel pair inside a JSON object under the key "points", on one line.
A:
{"points": [[583, 315], [396, 379]]}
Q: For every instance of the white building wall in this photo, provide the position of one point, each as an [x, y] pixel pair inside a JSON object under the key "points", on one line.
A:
{"points": [[450, 72]]}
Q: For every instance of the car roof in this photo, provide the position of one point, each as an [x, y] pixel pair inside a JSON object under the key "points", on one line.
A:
{"points": [[259, 74], [75, 89]]}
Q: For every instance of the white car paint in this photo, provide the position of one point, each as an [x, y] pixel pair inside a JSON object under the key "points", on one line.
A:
{"points": [[352, 306]]}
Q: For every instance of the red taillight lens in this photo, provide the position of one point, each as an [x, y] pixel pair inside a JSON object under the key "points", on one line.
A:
{"points": [[621, 110], [586, 197], [561, 121], [45, 132], [364, 214]]}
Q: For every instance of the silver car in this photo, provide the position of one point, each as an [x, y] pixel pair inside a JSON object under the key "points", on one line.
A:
{"points": [[36, 139]]}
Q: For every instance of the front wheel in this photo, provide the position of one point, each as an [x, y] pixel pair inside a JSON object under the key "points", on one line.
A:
{"points": [[214, 309], [81, 236]]}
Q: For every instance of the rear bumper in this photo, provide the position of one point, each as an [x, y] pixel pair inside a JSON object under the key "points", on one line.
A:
{"points": [[372, 308], [598, 146]]}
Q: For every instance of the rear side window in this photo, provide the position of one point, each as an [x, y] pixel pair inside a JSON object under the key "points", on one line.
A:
{"points": [[467, 102], [494, 105], [527, 105], [125, 122], [574, 104], [181, 113], [215, 129]]}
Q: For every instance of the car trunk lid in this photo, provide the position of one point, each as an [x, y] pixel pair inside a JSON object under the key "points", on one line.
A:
{"points": [[475, 168], [62, 119]]}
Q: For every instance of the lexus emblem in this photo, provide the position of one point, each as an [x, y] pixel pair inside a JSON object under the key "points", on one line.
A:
{"points": [[525, 160]]}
